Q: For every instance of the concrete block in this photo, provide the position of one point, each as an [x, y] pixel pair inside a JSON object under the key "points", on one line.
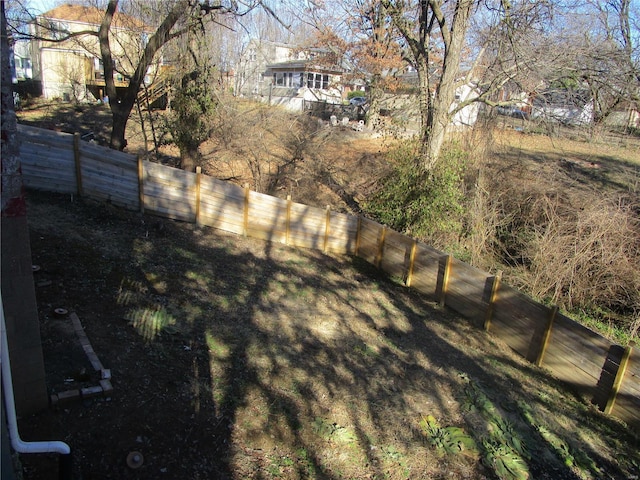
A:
{"points": [[106, 386], [89, 392], [68, 396]]}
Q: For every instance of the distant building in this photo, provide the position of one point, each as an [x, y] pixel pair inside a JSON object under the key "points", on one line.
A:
{"points": [[72, 69], [282, 74]]}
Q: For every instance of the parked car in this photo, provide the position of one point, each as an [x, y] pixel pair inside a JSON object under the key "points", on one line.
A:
{"points": [[357, 101]]}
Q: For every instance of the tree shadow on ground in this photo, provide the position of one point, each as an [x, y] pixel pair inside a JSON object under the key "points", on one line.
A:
{"points": [[235, 358]]}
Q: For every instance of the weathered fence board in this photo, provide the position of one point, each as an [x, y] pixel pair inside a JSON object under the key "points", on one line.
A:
{"points": [[517, 319], [396, 255], [576, 355], [221, 205], [89, 152], [369, 239], [307, 226], [343, 229], [266, 219], [424, 277], [52, 138], [467, 291], [58, 181], [48, 168], [170, 192]]}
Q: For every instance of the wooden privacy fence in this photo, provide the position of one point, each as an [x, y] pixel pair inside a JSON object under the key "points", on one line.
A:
{"points": [[605, 373]]}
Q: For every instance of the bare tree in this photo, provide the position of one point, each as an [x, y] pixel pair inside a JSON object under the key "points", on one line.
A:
{"points": [[173, 19], [433, 34], [183, 16]]}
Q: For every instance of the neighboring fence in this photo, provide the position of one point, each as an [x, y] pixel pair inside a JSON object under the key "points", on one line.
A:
{"points": [[605, 373]]}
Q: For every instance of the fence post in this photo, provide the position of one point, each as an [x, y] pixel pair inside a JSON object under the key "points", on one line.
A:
{"points": [[617, 383], [198, 180], [76, 158], [326, 229], [383, 234], [288, 232], [140, 183], [492, 300], [412, 259], [445, 280], [358, 235], [544, 342], [245, 224]]}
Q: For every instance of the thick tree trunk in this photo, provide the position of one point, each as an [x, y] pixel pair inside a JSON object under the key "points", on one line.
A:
{"points": [[119, 118], [122, 103], [190, 159]]}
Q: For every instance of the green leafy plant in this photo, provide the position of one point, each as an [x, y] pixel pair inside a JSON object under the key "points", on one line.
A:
{"points": [[333, 432], [503, 449], [506, 463], [450, 440], [429, 205]]}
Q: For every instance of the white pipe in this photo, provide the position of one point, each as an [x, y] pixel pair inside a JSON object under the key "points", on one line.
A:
{"points": [[17, 443]]}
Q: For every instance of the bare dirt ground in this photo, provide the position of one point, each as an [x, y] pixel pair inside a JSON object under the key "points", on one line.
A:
{"points": [[233, 358]]}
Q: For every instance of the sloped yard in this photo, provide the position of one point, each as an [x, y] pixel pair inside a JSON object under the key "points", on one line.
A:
{"points": [[240, 359]]}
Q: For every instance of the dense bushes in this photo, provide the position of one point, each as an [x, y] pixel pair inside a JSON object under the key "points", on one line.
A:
{"points": [[554, 238], [428, 205]]}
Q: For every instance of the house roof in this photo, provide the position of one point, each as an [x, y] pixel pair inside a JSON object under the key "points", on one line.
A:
{"points": [[93, 16]]}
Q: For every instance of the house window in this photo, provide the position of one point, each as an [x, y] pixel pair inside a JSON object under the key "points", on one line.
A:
{"points": [[318, 81], [279, 79], [57, 30]]}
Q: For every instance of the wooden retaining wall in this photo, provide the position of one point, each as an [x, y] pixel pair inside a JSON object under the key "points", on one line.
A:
{"points": [[605, 373]]}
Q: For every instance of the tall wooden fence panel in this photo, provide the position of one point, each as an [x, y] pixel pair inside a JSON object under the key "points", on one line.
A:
{"points": [[576, 355], [112, 177], [222, 205], [424, 274], [466, 291], [169, 192], [605, 373], [342, 233], [307, 226], [395, 256], [266, 219], [369, 241], [47, 160], [518, 321], [626, 404]]}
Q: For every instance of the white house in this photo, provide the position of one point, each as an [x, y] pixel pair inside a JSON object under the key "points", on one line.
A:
{"points": [[468, 115]]}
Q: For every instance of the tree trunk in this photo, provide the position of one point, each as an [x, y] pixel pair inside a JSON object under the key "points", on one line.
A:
{"points": [[119, 118], [190, 158], [437, 117], [426, 111], [122, 103], [373, 113]]}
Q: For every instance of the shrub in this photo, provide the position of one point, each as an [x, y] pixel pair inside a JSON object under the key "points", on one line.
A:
{"points": [[428, 205]]}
